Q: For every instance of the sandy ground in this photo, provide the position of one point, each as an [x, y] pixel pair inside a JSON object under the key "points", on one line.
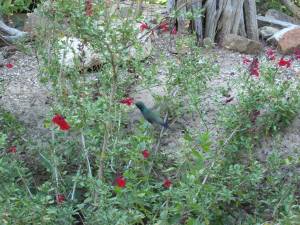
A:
{"points": [[28, 99]]}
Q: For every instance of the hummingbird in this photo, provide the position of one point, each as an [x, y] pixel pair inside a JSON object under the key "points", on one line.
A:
{"points": [[150, 116]]}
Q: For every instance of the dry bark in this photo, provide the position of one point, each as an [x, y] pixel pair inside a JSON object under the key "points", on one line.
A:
{"points": [[242, 28], [220, 17], [182, 6], [196, 6], [250, 19], [267, 21], [238, 6]]}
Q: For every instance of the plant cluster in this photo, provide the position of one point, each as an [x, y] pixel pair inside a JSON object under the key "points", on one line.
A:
{"points": [[96, 167]]}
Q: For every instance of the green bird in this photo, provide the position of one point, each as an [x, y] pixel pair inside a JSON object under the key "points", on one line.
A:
{"points": [[151, 116]]}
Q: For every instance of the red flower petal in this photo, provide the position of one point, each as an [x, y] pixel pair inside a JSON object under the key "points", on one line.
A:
{"points": [[61, 122], [283, 62], [120, 181], [254, 67], [246, 61], [174, 31], [12, 149], [127, 101], [167, 183], [9, 65], [60, 198], [146, 153], [88, 7], [270, 53], [144, 26], [164, 26]]}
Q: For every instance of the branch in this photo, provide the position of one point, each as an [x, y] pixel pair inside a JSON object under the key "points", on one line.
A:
{"points": [[13, 34]]}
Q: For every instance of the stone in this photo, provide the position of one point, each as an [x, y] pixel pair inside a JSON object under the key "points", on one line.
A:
{"points": [[267, 31], [287, 39], [273, 13], [241, 44], [74, 50]]}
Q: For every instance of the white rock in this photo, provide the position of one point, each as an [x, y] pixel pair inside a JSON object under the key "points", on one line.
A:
{"points": [[74, 50]]}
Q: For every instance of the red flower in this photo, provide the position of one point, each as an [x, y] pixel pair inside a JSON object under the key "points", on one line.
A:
{"points": [[127, 101], [283, 62], [61, 122], [146, 153], [144, 26], [297, 53], [12, 149], [88, 7], [9, 65], [120, 181], [254, 67], [270, 53], [164, 26], [246, 61], [60, 198], [167, 183], [174, 31]]}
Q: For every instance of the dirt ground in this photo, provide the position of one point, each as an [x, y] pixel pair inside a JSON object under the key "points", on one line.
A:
{"points": [[28, 99]]}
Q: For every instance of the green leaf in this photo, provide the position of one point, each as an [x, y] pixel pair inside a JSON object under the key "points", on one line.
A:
{"points": [[205, 142]]}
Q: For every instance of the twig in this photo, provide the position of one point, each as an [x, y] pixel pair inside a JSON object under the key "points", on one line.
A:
{"points": [[54, 161], [160, 135], [75, 183], [86, 154], [24, 182]]}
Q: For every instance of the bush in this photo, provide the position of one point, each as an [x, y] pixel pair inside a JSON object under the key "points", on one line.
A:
{"points": [[96, 168]]}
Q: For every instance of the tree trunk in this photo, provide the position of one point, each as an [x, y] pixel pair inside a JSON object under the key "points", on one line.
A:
{"points": [[181, 5], [9, 35], [196, 5], [220, 17], [251, 19]]}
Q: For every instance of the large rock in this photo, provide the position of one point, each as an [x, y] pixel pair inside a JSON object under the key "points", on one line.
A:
{"points": [[267, 31], [73, 51], [287, 40], [241, 44], [273, 13]]}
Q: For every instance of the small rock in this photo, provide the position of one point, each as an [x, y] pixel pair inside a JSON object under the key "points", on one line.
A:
{"points": [[273, 13], [267, 31], [241, 44], [287, 39]]}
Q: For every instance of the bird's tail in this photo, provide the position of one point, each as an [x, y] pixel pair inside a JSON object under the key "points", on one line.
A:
{"points": [[165, 125]]}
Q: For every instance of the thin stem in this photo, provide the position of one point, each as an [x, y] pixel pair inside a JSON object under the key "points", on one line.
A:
{"points": [[75, 183], [24, 182], [217, 153], [54, 161], [86, 155]]}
